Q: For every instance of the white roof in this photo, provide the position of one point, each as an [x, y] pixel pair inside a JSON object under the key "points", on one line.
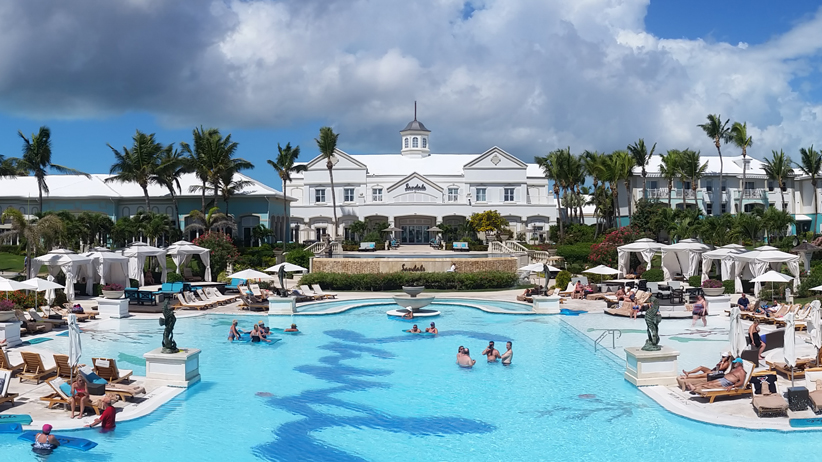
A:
{"points": [[534, 171], [395, 164], [770, 256], [642, 244], [687, 244], [74, 186], [732, 165]]}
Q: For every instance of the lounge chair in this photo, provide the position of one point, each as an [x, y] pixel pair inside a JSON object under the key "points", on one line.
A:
{"points": [[193, 304], [460, 246], [37, 318], [252, 305], [319, 291], [235, 284], [124, 391], [63, 368], [30, 325], [303, 296], [569, 291], [5, 380], [310, 292], [255, 289], [61, 392], [214, 294], [5, 364], [798, 370], [33, 367], [107, 369], [813, 382], [766, 397], [249, 294], [745, 389], [84, 316]]}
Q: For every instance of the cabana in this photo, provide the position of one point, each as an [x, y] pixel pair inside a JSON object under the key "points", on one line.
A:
{"points": [[75, 267], [646, 248], [725, 256], [109, 267], [759, 261], [182, 251], [682, 257], [137, 253]]}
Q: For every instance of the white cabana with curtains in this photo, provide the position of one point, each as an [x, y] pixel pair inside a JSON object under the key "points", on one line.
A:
{"points": [[726, 262], [682, 257], [182, 251], [137, 253], [760, 261], [646, 248], [75, 267], [109, 267]]}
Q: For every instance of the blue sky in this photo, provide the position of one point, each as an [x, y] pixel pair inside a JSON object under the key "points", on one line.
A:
{"points": [[526, 75]]}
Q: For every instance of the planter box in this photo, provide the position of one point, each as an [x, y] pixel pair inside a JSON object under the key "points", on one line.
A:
{"points": [[180, 369], [6, 316], [713, 292], [113, 308], [113, 294]]}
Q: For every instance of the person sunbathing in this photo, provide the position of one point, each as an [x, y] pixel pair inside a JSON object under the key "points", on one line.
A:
{"points": [[620, 294], [731, 380], [579, 292], [79, 397], [702, 371]]}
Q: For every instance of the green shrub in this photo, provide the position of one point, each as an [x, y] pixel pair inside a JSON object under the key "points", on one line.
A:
{"points": [[395, 281], [476, 247], [654, 275], [134, 284], [59, 298], [729, 286], [299, 257], [562, 279], [695, 281], [172, 276], [576, 268], [576, 253]]}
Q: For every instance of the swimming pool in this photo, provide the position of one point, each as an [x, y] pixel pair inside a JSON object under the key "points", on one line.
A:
{"points": [[503, 305], [353, 387]]}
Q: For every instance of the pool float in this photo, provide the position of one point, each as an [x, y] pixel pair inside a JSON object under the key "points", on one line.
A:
{"points": [[10, 428], [429, 334], [246, 338], [65, 441], [24, 419]]}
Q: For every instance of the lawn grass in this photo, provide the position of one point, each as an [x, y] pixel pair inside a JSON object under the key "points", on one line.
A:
{"points": [[11, 262]]}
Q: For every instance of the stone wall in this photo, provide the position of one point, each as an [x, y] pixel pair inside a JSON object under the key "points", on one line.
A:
{"points": [[395, 265]]}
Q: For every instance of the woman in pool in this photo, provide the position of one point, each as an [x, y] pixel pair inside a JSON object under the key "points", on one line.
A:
{"points": [[465, 360], [459, 353], [44, 442], [258, 336], [234, 332], [79, 397], [700, 311]]}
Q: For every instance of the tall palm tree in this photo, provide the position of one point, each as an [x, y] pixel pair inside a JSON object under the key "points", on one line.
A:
{"points": [[198, 155], [284, 166], [592, 166], [550, 168], [642, 157], [138, 165], [212, 220], [740, 138], [327, 142], [810, 163], [8, 167], [691, 169], [230, 185], [171, 165], [36, 160], [669, 169], [617, 167], [719, 132], [626, 170], [778, 168]]}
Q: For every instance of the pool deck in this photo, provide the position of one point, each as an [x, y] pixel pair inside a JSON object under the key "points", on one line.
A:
{"points": [[698, 345]]}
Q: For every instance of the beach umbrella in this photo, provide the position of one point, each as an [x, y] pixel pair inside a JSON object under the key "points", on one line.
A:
{"points": [[789, 349], [601, 270], [540, 268], [816, 288], [289, 267], [737, 333], [814, 321], [75, 348], [772, 277], [247, 274], [10, 285], [38, 284], [434, 229]]}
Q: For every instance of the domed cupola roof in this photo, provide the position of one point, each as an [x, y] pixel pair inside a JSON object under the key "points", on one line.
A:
{"points": [[415, 125]]}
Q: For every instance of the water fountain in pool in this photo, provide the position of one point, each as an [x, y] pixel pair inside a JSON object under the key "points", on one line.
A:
{"points": [[413, 302]]}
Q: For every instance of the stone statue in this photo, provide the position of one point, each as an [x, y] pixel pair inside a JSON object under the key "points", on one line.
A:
{"points": [[168, 320], [281, 276], [652, 319]]}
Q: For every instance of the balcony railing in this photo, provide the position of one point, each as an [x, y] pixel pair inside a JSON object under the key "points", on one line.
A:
{"points": [[661, 193], [688, 193], [752, 193]]}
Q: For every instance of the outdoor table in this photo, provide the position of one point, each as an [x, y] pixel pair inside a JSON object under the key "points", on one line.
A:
{"points": [[798, 398]]}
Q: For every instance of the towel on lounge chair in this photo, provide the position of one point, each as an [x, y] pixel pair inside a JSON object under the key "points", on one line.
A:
{"points": [[766, 399]]}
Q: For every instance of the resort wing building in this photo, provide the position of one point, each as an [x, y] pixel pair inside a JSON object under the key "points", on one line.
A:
{"points": [[414, 190], [757, 190], [255, 204]]}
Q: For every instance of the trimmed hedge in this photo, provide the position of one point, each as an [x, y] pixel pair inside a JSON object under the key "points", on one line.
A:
{"points": [[696, 281], [730, 287], [395, 281], [576, 253], [654, 275]]}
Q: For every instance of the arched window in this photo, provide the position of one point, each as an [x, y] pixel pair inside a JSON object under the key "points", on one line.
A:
{"points": [[34, 210], [126, 212], [425, 143], [406, 142], [155, 209], [23, 210], [140, 209], [415, 142]]}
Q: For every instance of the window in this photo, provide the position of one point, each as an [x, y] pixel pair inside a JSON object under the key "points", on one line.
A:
{"points": [[406, 143], [749, 185], [686, 185], [481, 195], [652, 185], [508, 195], [319, 196], [770, 186], [709, 209], [709, 186], [724, 208], [425, 142], [348, 194], [724, 186], [453, 194], [376, 194], [415, 142]]}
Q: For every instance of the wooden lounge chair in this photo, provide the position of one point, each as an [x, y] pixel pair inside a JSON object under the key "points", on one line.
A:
{"points": [[745, 389], [5, 381], [569, 291], [33, 368], [311, 293], [31, 326], [124, 391], [81, 317], [319, 291], [766, 398], [246, 290], [252, 305], [258, 293], [195, 305], [107, 369], [798, 370], [5, 364], [37, 318], [60, 395], [63, 368], [813, 382]]}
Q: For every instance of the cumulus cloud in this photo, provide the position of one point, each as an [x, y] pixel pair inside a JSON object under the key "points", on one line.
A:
{"points": [[527, 75]]}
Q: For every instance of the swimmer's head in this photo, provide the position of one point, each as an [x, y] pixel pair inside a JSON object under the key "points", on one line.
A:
{"points": [[46, 429], [293, 326], [432, 324]]}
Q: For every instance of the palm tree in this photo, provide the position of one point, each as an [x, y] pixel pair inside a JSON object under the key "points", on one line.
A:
{"points": [[284, 166], [616, 168], [231, 185], [642, 157], [327, 142], [626, 164], [669, 169], [550, 168], [778, 168], [810, 163], [214, 219], [22, 229], [691, 169], [740, 138], [140, 164], [171, 165], [776, 222], [592, 166], [95, 226], [36, 160], [719, 132], [8, 167]]}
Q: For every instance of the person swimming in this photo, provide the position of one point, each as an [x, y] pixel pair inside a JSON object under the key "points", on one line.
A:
{"points": [[408, 315], [432, 329], [465, 360], [293, 328], [233, 332], [44, 442], [414, 330]]}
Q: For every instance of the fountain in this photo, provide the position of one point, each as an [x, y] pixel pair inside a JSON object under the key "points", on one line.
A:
{"points": [[411, 301]]}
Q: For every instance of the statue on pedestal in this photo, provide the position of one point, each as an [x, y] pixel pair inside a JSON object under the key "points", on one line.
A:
{"points": [[652, 319], [168, 320]]}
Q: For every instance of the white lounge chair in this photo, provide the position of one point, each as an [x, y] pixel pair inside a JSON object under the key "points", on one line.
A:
{"points": [[319, 291]]}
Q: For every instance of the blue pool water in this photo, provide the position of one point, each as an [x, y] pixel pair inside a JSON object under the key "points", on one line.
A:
{"points": [[352, 387], [498, 304]]}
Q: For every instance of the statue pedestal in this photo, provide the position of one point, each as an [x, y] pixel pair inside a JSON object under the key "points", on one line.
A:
{"points": [[644, 368], [282, 305], [546, 305], [10, 332], [718, 304], [113, 308], [181, 369]]}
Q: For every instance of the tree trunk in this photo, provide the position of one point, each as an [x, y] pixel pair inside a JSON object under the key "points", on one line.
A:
{"points": [[287, 224], [744, 177], [630, 196], [721, 170], [330, 167], [559, 218], [670, 191], [644, 183], [617, 213], [815, 206], [39, 200], [782, 195], [176, 208], [202, 196], [693, 188], [148, 201]]}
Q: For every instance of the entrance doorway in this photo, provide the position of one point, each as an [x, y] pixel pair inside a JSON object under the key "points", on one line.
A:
{"points": [[415, 234]]}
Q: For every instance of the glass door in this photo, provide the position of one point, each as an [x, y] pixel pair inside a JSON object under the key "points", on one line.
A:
{"points": [[415, 234]]}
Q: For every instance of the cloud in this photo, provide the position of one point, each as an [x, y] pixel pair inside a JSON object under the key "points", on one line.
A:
{"points": [[527, 75]]}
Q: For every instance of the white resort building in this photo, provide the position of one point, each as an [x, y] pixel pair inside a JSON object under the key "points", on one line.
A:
{"points": [[414, 190]]}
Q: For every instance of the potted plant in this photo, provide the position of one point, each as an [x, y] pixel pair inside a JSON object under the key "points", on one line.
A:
{"points": [[112, 291], [712, 287], [7, 311]]}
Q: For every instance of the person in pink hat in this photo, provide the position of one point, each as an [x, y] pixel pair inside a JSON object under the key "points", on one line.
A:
{"points": [[44, 441]]}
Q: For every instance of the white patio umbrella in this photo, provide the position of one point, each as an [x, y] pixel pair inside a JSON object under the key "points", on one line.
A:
{"points": [[288, 267], [601, 270], [816, 288], [789, 349], [247, 274], [814, 321], [737, 333], [10, 285], [772, 276], [38, 284], [75, 348], [540, 268]]}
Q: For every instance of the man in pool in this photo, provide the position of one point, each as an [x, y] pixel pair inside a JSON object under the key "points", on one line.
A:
{"points": [[414, 330], [491, 352], [293, 328], [508, 355], [432, 329], [464, 360], [107, 417], [732, 379]]}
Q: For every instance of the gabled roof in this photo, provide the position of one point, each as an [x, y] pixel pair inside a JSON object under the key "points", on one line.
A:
{"points": [[498, 151], [339, 154], [413, 176]]}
